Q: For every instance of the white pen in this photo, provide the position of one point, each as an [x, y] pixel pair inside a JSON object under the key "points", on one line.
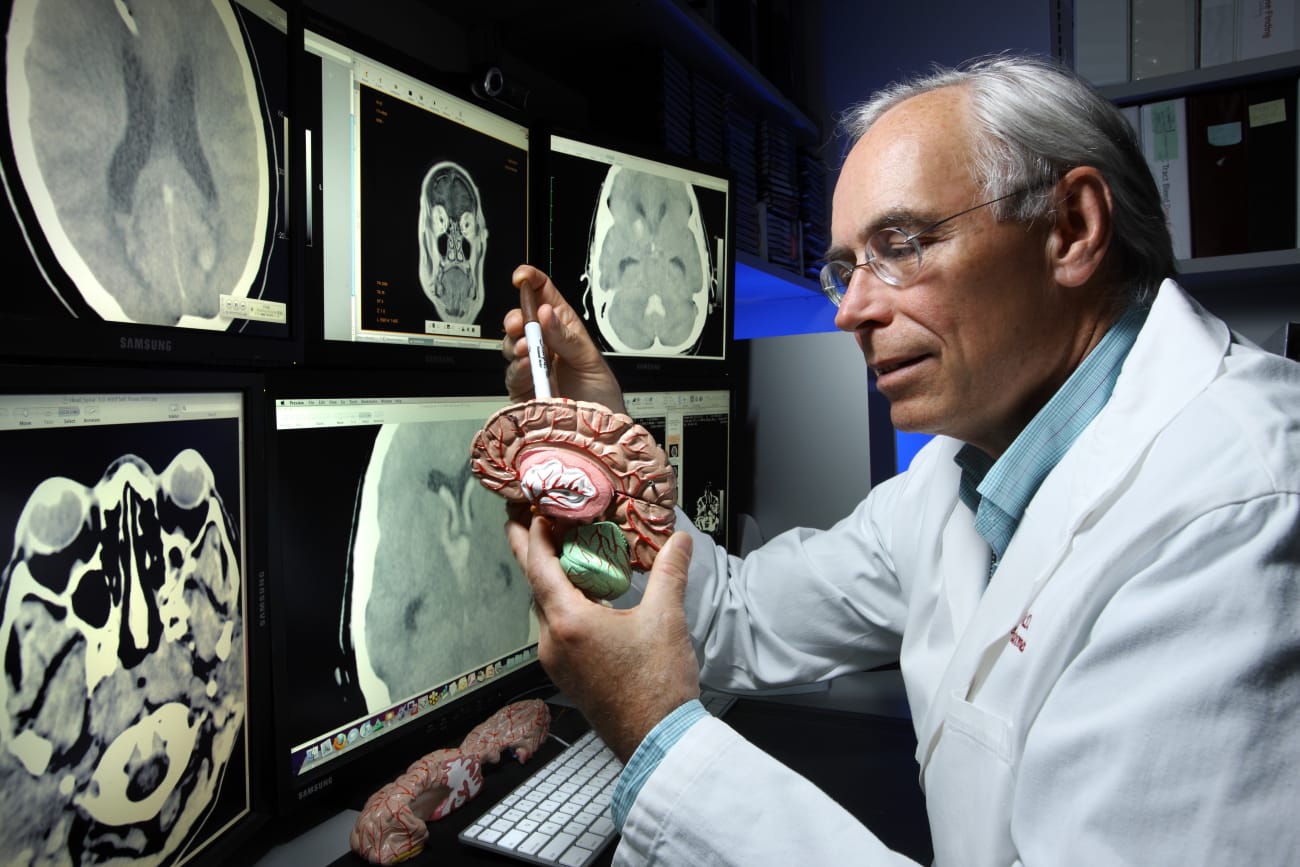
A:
{"points": [[536, 348]]}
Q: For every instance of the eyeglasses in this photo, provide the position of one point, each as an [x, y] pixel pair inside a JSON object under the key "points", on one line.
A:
{"points": [[893, 254]]}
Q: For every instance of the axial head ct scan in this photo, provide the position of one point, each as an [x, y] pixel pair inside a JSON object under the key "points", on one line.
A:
{"points": [[649, 271], [138, 135], [122, 695]]}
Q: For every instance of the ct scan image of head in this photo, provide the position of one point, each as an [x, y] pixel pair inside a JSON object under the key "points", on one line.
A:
{"points": [[453, 242], [648, 269], [435, 585], [122, 694], [138, 136]]}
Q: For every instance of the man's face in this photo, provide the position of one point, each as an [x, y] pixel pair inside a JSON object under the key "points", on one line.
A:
{"points": [[979, 340]]}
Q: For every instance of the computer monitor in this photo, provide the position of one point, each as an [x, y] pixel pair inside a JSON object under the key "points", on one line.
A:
{"points": [[401, 618], [642, 244], [694, 428], [418, 211], [131, 705], [145, 166]]}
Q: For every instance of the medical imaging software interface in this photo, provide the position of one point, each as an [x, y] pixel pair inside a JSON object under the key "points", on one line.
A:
{"points": [[168, 206], [645, 243], [693, 427], [399, 590], [124, 715], [422, 212]]}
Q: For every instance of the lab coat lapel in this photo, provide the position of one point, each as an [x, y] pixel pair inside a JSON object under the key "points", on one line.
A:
{"points": [[1181, 348]]}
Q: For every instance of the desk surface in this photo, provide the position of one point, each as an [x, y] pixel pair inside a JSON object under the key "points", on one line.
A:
{"points": [[865, 762]]}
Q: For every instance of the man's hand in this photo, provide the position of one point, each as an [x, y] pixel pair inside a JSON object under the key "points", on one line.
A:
{"points": [[625, 669], [580, 371]]}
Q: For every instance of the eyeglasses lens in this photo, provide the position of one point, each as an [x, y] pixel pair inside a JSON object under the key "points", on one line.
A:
{"points": [[894, 256]]}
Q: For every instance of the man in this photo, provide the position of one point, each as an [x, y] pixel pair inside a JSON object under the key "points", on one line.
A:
{"points": [[1089, 577]]}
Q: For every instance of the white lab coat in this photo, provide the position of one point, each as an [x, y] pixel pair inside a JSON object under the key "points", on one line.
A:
{"points": [[1126, 690]]}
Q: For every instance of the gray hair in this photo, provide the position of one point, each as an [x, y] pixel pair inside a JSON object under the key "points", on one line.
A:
{"points": [[1034, 120]]}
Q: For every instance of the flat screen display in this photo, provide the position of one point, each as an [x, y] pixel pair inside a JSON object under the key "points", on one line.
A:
{"points": [[397, 601], [129, 718], [642, 245], [146, 170], [694, 429], [418, 211]]}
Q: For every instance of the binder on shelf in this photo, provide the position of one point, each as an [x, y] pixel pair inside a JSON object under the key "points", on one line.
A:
{"points": [[1101, 41], [1271, 177], [1217, 171], [1164, 143], [1266, 27], [1164, 37], [1242, 168], [1218, 26]]}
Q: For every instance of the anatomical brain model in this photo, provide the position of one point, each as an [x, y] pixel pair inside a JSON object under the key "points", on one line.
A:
{"points": [[392, 825], [123, 670], [590, 468]]}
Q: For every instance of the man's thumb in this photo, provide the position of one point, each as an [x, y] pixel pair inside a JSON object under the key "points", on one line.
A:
{"points": [[668, 573]]}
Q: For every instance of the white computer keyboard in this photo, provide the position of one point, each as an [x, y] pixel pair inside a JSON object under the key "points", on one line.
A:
{"points": [[560, 814]]}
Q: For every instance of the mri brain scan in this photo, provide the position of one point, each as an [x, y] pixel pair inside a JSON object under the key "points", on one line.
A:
{"points": [[428, 546], [122, 694], [453, 242], [649, 271], [138, 136]]}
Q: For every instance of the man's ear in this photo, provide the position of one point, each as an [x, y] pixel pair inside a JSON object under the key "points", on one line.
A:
{"points": [[1080, 236]]}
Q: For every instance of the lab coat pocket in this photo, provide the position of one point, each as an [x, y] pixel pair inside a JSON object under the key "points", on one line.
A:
{"points": [[969, 781], [987, 730]]}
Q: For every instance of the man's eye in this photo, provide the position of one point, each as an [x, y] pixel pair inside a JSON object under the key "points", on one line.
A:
{"points": [[900, 250]]}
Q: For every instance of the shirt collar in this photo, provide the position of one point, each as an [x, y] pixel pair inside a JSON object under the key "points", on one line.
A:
{"points": [[999, 491]]}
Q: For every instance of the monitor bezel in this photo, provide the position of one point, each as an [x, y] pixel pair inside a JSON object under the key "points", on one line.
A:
{"points": [[49, 329], [319, 350], [346, 782], [646, 373], [30, 378]]}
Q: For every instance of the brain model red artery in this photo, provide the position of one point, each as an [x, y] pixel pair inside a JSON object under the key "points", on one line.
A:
{"points": [[393, 823], [580, 462]]}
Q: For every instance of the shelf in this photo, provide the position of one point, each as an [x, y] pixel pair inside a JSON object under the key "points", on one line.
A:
{"points": [[773, 302], [757, 280], [1206, 78], [1267, 268], [554, 37]]}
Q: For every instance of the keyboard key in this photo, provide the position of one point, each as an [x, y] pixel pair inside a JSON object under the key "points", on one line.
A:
{"points": [[512, 839], [557, 846], [575, 857]]}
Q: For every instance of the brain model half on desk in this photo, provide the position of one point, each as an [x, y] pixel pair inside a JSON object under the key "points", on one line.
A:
{"points": [[590, 469], [393, 823]]}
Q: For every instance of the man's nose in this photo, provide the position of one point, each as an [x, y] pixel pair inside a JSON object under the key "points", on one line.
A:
{"points": [[867, 300]]}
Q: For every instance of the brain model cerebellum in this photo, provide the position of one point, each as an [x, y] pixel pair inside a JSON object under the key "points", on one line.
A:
{"points": [[582, 464], [123, 666], [650, 276]]}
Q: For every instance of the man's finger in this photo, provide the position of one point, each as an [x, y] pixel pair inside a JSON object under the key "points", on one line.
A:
{"points": [[551, 587]]}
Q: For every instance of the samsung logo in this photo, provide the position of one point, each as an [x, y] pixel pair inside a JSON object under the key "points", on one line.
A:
{"points": [[315, 787], [146, 344]]}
